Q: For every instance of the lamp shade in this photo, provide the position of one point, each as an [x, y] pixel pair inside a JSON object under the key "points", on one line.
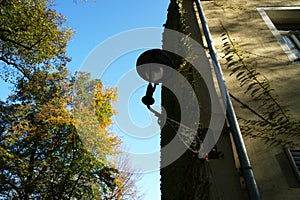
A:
{"points": [[154, 65]]}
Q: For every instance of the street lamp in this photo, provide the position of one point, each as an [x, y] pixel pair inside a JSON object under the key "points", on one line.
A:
{"points": [[155, 67]]}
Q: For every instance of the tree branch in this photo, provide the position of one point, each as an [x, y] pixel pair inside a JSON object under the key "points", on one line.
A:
{"points": [[74, 186], [16, 66], [14, 42], [38, 41]]}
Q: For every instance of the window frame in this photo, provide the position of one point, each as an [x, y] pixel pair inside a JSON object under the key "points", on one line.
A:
{"points": [[293, 162], [293, 55]]}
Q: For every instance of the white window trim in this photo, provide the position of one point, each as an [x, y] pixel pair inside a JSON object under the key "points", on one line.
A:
{"points": [[291, 55]]}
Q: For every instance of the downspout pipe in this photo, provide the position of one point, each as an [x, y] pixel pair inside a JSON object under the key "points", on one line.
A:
{"points": [[246, 168]]}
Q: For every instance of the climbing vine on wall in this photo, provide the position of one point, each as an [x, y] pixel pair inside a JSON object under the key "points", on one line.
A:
{"points": [[273, 123], [192, 180]]}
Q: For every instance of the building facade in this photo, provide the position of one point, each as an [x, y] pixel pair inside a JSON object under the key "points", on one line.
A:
{"points": [[258, 47], [258, 43]]}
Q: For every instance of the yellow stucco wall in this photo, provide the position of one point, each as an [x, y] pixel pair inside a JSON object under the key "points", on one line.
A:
{"points": [[273, 173]]}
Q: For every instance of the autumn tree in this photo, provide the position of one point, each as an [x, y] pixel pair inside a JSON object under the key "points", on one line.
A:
{"points": [[31, 33], [127, 177], [55, 139], [41, 152], [91, 104]]}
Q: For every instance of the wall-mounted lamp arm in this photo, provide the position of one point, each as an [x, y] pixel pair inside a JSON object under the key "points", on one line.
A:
{"points": [[148, 99]]}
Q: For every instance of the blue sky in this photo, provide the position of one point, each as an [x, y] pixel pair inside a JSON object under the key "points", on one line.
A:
{"points": [[95, 22]]}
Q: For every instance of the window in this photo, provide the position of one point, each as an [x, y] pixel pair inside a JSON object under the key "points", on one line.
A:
{"points": [[294, 158], [284, 22]]}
